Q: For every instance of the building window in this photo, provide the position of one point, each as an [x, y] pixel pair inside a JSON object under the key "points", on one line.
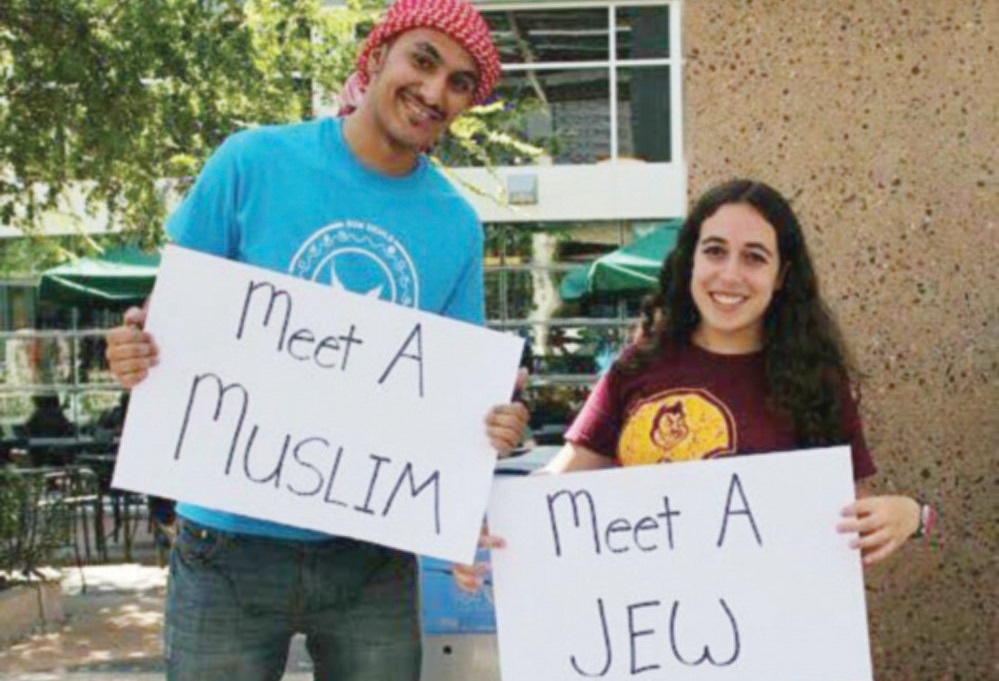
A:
{"points": [[17, 305], [589, 83], [536, 287]]}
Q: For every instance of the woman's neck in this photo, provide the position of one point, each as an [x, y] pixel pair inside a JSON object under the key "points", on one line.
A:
{"points": [[740, 343]]}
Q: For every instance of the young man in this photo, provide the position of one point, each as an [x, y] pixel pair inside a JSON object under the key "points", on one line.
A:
{"points": [[355, 204]]}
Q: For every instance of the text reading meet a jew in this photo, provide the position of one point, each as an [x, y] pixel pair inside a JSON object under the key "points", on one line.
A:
{"points": [[573, 532]]}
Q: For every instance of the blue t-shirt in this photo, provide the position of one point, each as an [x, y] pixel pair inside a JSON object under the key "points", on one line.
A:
{"points": [[295, 199]]}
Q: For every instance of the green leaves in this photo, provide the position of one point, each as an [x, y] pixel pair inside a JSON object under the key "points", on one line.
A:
{"points": [[105, 103], [489, 135], [125, 95]]}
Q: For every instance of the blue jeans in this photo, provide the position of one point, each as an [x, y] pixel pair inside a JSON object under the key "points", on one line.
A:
{"points": [[234, 601]]}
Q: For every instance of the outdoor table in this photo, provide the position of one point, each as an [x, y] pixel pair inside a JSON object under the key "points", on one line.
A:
{"points": [[124, 525], [56, 450]]}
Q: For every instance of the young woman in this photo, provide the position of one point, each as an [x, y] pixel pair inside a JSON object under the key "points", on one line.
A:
{"points": [[737, 354]]}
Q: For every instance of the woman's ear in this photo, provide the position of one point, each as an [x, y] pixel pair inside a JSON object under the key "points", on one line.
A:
{"points": [[782, 276]]}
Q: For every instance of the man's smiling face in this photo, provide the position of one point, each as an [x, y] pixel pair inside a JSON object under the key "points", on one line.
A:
{"points": [[418, 85]]}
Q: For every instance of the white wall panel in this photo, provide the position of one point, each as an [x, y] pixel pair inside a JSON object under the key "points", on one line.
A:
{"points": [[622, 190]]}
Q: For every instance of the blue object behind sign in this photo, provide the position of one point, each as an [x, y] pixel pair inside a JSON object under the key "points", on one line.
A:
{"points": [[446, 609]]}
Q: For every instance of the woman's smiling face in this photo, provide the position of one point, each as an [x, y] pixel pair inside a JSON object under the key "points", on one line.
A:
{"points": [[736, 272]]}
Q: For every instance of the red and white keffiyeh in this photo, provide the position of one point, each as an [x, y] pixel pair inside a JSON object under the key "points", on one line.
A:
{"points": [[457, 19]]}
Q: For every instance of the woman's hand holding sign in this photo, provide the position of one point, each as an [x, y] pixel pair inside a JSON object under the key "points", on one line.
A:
{"points": [[884, 524]]}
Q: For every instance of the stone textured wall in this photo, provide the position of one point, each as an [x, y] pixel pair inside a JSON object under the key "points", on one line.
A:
{"points": [[881, 119]]}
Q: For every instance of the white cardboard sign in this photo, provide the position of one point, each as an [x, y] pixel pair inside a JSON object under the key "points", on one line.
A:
{"points": [[289, 401], [721, 570]]}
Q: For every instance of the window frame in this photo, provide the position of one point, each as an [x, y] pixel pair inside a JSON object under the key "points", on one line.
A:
{"points": [[613, 63]]}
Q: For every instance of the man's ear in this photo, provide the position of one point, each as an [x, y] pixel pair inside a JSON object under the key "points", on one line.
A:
{"points": [[376, 60]]}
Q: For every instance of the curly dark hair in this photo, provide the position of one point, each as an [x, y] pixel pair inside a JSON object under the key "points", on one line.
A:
{"points": [[807, 364]]}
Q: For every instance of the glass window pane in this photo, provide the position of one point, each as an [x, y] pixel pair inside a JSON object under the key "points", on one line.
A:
{"points": [[22, 309], [643, 113], [495, 282], [529, 293], [529, 279], [550, 243], [566, 112], [553, 409], [643, 32], [515, 243], [554, 35], [14, 411], [495, 243], [572, 337], [576, 352]]}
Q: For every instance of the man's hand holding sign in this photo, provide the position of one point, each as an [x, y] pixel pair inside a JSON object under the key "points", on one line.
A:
{"points": [[290, 401]]}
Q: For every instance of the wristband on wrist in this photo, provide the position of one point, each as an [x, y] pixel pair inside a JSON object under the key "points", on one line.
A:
{"points": [[927, 519]]}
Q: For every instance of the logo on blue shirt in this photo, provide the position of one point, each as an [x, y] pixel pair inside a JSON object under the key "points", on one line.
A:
{"points": [[359, 257]]}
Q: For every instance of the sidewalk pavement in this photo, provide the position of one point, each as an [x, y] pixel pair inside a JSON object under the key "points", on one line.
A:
{"points": [[113, 632]]}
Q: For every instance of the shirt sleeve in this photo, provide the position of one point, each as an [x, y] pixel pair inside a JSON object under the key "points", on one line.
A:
{"points": [[206, 220], [853, 429], [598, 425], [467, 299]]}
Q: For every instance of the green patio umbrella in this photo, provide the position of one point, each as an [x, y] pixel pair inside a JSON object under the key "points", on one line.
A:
{"points": [[630, 269], [120, 278]]}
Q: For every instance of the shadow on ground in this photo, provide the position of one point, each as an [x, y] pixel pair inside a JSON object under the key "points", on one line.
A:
{"points": [[113, 631]]}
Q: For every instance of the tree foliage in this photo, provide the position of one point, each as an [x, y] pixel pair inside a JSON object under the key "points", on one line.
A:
{"points": [[108, 105], [109, 98], [36, 517]]}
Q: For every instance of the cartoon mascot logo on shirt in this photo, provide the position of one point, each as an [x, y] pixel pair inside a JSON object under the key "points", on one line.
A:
{"points": [[677, 425], [360, 257]]}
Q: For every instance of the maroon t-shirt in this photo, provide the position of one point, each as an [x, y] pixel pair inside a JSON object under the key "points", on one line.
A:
{"points": [[694, 404]]}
